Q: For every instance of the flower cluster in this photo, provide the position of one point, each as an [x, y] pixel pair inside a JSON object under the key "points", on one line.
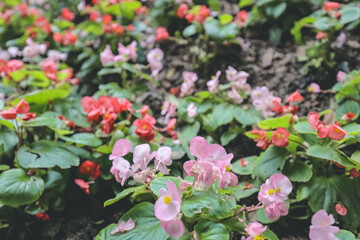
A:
{"points": [[125, 54], [33, 49], [145, 127], [122, 170], [21, 108], [198, 15], [212, 163], [239, 80], [334, 131], [106, 107], [154, 58], [262, 100], [279, 137], [272, 195], [279, 108], [188, 86]]}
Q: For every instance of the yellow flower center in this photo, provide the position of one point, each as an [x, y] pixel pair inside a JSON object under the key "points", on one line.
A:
{"points": [[259, 238], [271, 191], [167, 200], [144, 127], [278, 190], [258, 94], [155, 55], [212, 77], [280, 135], [337, 130], [311, 89], [227, 168], [88, 168]]}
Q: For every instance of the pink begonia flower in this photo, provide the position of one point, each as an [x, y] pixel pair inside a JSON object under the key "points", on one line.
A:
{"points": [[254, 230], [231, 74], [121, 170], [13, 51], [163, 159], [280, 137], [168, 110], [322, 130], [340, 40], [57, 56], [275, 210], [188, 86], [33, 49], [22, 107], [123, 226], [168, 205], [120, 149], [214, 82], [260, 93], [191, 110], [314, 88], [234, 95], [244, 45], [184, 185], [340, 77], [321, 228], [295, 97], [336, 132], [174, 228], [313, 119], [107, 56], [275, 189], [133, 51], [14, 65], [142, 156], [154, 57]]}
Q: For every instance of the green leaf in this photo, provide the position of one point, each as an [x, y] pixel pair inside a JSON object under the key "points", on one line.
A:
{"points": [[269, 235], [227, 136], [208, 205], [245, 3], [52, 179], [18, 75], [225, 18], [46, 154], [220, 32], [211, 231], [345, 235], [303, 127], [7, 123], [273, 123], [247, 117], [190, 131], [190, 30], [270, 161], [160, 182], [325, 23], [326, 192], [296, 30], [303, 192], [347, 107], [241, 192], [88, 139], [326, 152], [8, 138], [277, 10], [107, 71], [3, 167], [17, 188], [40, 121], [123, 194], [44, 96], [349, 14], [248, 169], [38, 79], [298, 172], [147, 226], [262, 217], [223, 113]]}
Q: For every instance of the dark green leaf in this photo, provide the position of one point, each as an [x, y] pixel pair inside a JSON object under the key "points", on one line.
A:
{"points": [[123, 194], [211, 231]]}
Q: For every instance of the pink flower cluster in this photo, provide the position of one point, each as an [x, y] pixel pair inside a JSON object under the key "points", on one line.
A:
{"points": [[125, 54], [212, 163], [321, 228], [273, 193], [239, 80], [33, 49], [168, 110], [167, 209], [122, 170], [262, 100], [188, 86], [214, 82], [334, 131], [154, 57]]}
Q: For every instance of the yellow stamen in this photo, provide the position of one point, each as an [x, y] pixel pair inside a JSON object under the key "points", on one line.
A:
{"points": [[278, 190], [88, 168], [271, 191], [227, 168], [258, 94], [155, 55], [311, 89], [280, 135], [212, 77], [144, 127], [167, 200], [337, 130], [259, 238]]}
